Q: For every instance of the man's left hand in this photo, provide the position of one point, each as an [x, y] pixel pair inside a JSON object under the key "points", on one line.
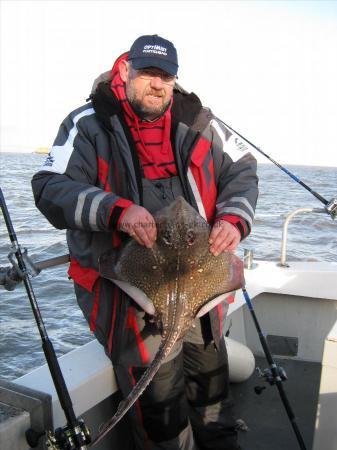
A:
{"points": [[224, 237]]}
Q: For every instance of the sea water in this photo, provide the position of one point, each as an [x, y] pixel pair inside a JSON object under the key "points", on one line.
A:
{"points": [[312, 237]]}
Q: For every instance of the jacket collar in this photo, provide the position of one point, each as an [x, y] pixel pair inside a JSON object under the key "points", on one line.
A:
{"points": [[105, 103]]}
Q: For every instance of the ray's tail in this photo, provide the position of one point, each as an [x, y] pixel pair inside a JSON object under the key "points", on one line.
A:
{"points": [[137, 391]]}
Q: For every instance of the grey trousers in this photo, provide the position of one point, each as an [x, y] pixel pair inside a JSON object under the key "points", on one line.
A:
{"points": [[187, 405]]}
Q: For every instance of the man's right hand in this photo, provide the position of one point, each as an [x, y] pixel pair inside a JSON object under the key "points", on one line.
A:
{"points": [[139, 224]]}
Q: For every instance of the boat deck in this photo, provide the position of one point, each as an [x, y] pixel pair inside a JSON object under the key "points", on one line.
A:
{"points": [[268, 425], [264, 414]]}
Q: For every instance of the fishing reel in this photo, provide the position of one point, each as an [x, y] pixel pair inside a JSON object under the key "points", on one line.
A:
{"points": [[11, 276], [64, 438], [331, 208], [30, 267], [67, 438], [270, 377]]}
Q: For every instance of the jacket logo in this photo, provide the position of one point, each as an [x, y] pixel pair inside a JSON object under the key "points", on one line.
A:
{"points": [[241, 146], [49, 160]]}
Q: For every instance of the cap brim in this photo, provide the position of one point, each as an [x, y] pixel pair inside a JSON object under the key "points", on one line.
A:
{"points": [[166, 66]]}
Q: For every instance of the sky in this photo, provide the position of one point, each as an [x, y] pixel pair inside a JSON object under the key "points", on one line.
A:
{"points": [[267, 68]]}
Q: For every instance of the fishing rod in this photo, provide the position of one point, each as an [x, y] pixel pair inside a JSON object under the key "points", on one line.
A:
{"points": [[75, 435], [330, 206], [275, 375]]}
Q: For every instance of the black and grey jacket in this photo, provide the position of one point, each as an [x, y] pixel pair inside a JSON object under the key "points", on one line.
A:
{"points": [[92, 173]]}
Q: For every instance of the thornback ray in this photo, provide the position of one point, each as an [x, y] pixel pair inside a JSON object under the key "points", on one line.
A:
{"points": [[177, 280]]}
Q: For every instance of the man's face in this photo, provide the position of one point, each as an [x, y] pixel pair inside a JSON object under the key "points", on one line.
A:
{"points": [[149, 91]]}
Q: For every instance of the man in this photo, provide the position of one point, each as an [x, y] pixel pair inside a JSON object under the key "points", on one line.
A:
{"points": [[141, 142]]}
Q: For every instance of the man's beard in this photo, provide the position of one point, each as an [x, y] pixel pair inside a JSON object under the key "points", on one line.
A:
{"points": [[142, 111]]}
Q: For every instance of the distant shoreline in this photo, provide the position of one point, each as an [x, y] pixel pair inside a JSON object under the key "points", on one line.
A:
{"points": [[42, 150], [260, 163]]}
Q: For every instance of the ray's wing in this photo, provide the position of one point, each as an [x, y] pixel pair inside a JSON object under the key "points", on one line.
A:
{"points": [[209, 277], [136, 267]]}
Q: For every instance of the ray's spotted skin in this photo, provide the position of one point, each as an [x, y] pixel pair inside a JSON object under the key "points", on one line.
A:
{"points": [[179, 277]]}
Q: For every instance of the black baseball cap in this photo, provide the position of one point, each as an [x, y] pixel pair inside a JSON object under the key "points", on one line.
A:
{"points": [[154, 51]]}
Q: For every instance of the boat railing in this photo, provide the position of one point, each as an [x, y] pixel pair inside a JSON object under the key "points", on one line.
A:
{"points": [[287, 221]]}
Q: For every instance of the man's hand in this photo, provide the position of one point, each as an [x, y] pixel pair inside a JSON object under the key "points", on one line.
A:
{"points": [[224, 237], [139, 224]]}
